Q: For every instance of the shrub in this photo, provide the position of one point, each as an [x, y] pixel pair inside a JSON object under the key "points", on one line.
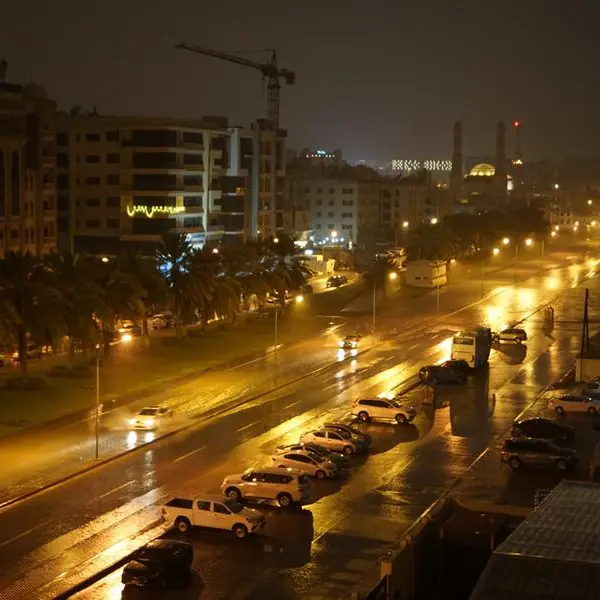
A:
{"points": [[25, 384], [65, 372]]}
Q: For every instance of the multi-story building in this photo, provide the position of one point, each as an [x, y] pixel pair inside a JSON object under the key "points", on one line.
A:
{"points": [[127, 180], [27, 169]]}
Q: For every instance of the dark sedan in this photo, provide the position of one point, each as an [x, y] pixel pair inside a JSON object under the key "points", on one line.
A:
{"points": [[538, 427], [458, 365], [161, 563]]}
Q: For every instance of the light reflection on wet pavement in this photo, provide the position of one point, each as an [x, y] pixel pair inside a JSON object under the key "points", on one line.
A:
{"points": [[337, 540]]}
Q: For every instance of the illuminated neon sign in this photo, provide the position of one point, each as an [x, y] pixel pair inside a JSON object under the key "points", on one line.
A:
{"points": [[150, 211]]}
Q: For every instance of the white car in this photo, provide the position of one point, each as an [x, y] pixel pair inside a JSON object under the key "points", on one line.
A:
{"points": [[213, 512], [150, 417], [309, 462], [513, 334], [336, 441], [381, 408], [591, 387], [574, 403], [285, 486]]}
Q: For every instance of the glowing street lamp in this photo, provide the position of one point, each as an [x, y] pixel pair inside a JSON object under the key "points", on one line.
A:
{"points": [[215, 251], [276, 240], [506, 241], [496, 251], [299, 299], [556, 227], [126, 338], [333, 235], [393, 276], [434, 221], [553, 234], [590, 202], [405, 225], [104, 259], [528, 242]]}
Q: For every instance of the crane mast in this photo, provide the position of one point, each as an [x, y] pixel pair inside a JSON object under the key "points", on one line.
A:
{"points": [[272, 73]]}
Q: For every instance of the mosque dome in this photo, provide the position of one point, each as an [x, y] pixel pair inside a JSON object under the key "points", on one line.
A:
{"points": [[483, 170], [34, 91]]}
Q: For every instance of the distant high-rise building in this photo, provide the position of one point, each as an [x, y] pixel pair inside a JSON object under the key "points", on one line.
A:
{"points": [[27, 168]]}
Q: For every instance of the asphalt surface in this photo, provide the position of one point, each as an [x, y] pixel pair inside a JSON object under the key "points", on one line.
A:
{"points": [[338, 538]]}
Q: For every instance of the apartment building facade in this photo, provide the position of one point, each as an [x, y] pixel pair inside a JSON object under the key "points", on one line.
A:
{"points": [[125, 181], [27, 169]]}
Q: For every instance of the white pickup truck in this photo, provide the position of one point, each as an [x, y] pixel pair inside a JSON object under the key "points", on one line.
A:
{"points": [[213, 512]]}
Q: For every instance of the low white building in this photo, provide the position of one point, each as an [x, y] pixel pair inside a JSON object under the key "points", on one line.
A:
{"points": [[426, 273]]}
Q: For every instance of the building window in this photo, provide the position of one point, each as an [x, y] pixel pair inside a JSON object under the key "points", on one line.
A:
{"points": [[194, 223], [113, 202], [331, 226], [92, 159], [113, 223], [307, 190], [331, 202], [318, 226], [347, 227], [112, 159], [91, 202], [92, 181], [347, 191], [319, 190], [192, 201], [347, 215], [112, 180], [319, 202], [92, 137], [92, 224], [331, 215], [347, 202], [112, 136]]}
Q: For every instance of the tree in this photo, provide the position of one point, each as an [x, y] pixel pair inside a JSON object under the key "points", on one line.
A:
{"points": [[188, 283], [31, 305], [74, 277]]}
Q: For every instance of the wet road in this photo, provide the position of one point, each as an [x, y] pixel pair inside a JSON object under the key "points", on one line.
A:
{"points": [[343, 532], [34, 458]]}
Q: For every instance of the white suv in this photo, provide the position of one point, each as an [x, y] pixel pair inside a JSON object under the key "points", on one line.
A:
{"points": [[309, 462], [286, 486], [381, 408], [572, 403], [213, 512], [336, 441]]}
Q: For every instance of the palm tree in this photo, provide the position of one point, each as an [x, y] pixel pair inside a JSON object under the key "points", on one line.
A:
{"points": [[188, 281], [30, 303], [74, 276], [145, 271]]}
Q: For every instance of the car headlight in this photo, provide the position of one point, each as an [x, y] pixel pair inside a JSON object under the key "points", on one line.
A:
{"points": [[149, 422], [131, 421]]}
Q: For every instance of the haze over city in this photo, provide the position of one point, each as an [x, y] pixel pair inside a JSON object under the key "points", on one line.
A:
{"points": [[379, 79]]}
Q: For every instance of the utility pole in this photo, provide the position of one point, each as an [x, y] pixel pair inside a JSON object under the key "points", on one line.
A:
{"points": [[374, 300], [97, 453], [585, 330]]}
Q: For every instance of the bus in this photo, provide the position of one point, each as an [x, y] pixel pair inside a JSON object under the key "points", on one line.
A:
{"points": [[472, 346]]}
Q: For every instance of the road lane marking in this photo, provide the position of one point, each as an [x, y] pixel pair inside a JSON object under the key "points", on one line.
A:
{"points": [[24, 533], [291, 404], [112, 491], [247, 426], [189, 454]]}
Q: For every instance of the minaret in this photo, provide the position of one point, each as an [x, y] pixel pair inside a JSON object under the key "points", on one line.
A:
{"points": [[518, 159], [456, 174], [501, 150]]}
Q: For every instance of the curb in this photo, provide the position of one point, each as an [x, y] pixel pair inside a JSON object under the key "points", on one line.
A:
{"points": [[480, 506], [224, 410]]}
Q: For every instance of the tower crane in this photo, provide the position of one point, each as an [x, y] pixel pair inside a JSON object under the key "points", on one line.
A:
{"points": [[270, 71]]}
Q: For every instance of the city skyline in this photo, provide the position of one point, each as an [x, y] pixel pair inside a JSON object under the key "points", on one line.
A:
{"points": [[430, 66]]}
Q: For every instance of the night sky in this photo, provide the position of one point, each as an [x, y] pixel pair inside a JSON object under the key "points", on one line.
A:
{"points": [[377, 79]]}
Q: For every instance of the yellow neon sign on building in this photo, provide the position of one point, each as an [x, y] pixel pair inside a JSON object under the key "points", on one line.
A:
{"points": [[150, 211]]}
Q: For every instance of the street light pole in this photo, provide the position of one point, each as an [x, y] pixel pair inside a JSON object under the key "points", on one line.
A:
{"points": [[482, 276], [437, 298], [97, 401], [374, 300]]}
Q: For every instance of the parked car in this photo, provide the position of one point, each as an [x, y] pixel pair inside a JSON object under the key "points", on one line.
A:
{"points": [[512, 334], [535, 452], [591, 387], [336, 281], [337, 458], [310, 463], [350, 342], [32, 351], [150, 417], [162, 320], [383, 409], [160, 563], [212, 512], [438, 374], [574, 403], [538, 427], [286, 486], [336, 441], [457, 365], [348, 429]]}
